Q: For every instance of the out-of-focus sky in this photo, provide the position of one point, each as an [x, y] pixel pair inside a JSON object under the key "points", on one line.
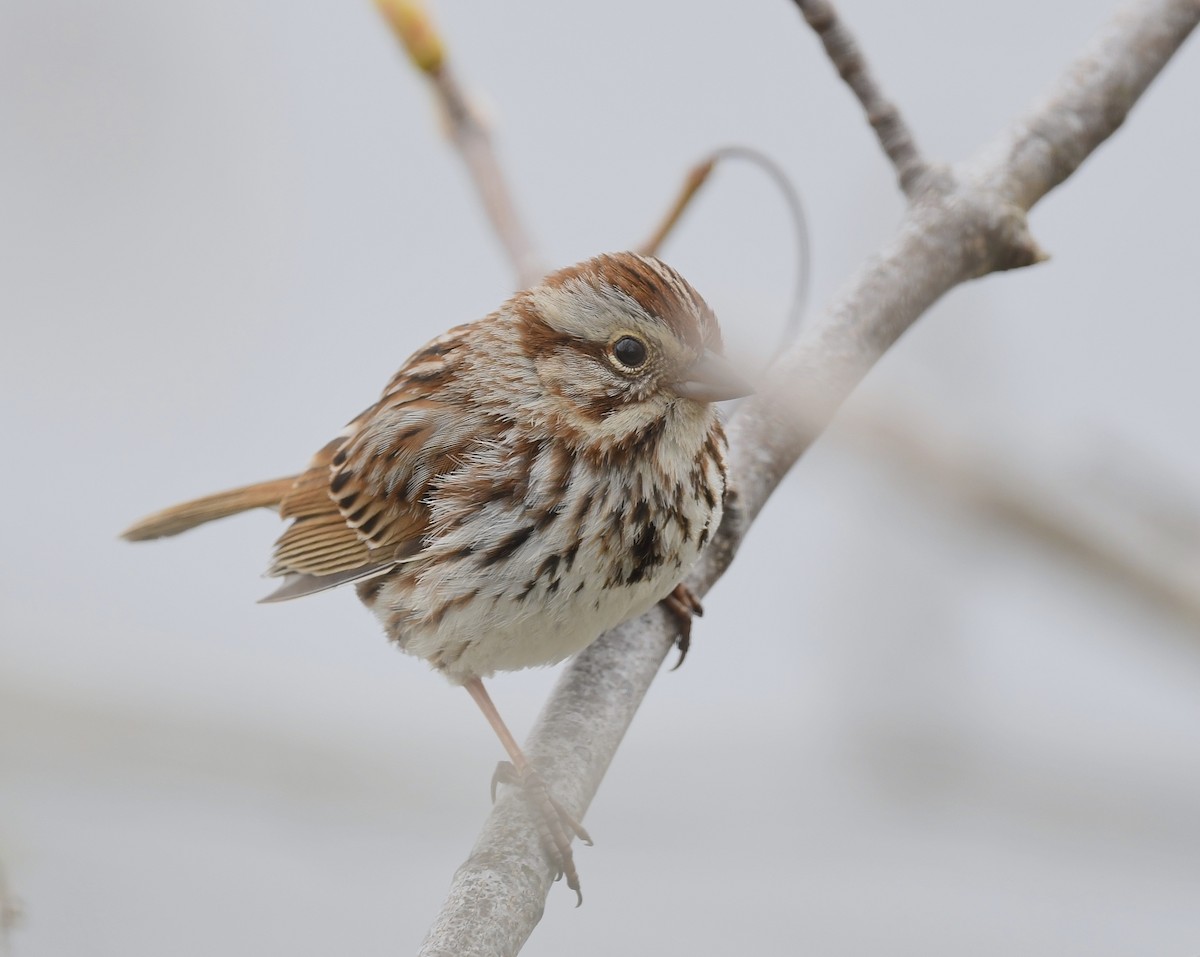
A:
{"points": [[903, 728]]}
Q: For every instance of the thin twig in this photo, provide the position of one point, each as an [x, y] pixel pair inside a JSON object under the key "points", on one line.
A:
{"points": [[883, 115], [474, 143], [415, 30], [698, 175], [695, 177], [965, 227]]}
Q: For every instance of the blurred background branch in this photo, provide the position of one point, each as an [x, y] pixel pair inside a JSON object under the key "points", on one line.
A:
{"points": [[10, 914], [413, 27], [1130, 526]]}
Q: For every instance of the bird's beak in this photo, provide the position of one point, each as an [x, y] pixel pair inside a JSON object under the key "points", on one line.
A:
{"points": [[712, 378]]}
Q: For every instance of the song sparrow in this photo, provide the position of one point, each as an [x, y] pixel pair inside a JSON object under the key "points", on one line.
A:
{"points": [[525, 482]]}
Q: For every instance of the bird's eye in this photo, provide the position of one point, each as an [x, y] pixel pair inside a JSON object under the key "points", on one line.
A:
{"points": [[630, 352]]}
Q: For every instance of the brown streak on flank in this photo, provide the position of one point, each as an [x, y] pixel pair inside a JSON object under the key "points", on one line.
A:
{"points": [[583, 506], [701, 486], [393, 627], [675, 510], [521, 459], [446, 658], [712, 447], [544, 518], [435, 618], [507, 545], [646, 552], [616, 521], [483, 491], [369, 590], [560, 469]]}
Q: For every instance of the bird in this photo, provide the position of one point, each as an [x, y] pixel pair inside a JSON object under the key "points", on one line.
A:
{"points": [[524, 483]]}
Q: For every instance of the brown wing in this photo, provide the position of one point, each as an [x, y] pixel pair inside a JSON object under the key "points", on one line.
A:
{"points": [[360, 507]]}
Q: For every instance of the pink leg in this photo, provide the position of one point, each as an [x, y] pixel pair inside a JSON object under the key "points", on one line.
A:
{"points": [[477, 691], [555, 825]]}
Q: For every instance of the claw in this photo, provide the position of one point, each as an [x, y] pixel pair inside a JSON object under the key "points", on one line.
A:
{"points": [[555, 824], [682, 604], [505, 773]]}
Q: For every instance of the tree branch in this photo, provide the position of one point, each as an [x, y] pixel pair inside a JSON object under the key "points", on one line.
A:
{"points": [[885, 119], [1089, 102], [964, 222]]}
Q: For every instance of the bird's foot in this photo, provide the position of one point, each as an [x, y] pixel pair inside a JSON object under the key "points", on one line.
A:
{"points": [[556, 826], [683, 604]]}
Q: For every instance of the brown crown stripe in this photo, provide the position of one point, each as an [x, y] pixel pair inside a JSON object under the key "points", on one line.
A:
{"points": [[672, 301]]}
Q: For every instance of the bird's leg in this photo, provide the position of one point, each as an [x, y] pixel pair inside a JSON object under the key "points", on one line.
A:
{"points": [[682, 604], [555, 825]]}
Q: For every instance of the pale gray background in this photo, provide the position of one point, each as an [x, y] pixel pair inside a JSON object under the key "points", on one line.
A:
{"points": [[902, 730]]}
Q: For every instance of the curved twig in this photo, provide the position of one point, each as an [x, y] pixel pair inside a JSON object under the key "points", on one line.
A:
{"points": [[698, 175]]}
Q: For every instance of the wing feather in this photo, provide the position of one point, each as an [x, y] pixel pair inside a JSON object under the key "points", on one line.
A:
{"points": [[360, 508]]}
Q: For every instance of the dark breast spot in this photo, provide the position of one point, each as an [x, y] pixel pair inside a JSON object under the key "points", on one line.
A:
{"points": [[646, 553], [507, 545]]}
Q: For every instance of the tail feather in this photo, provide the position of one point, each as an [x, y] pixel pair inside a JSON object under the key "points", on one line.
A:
{"points": [[179, 518]]}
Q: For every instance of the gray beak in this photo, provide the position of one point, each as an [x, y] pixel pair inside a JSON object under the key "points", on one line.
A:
{"points": [[712, 378]]}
